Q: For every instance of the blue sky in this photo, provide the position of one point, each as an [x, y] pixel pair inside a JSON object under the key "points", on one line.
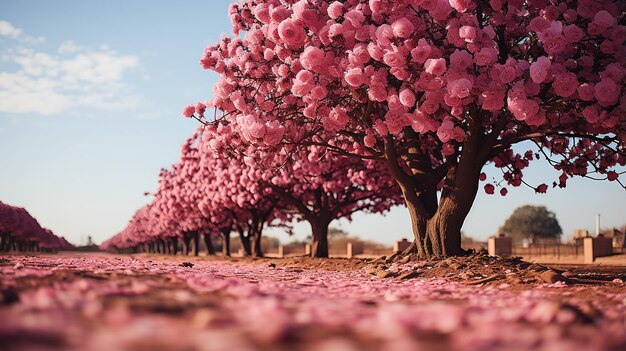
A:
{"points": [[90, 100]]}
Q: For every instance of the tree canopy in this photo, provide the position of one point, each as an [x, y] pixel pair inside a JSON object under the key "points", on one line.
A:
{"points": [[434, 89]]}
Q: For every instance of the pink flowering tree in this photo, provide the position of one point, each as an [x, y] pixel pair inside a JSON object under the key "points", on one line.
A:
{"points": [[310, 185], [319, 189], [238, 196], [433, 89], [139, 232], [20, 231]]}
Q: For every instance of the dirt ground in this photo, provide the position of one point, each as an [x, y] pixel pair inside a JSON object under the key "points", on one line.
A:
{"points": [[79, 301]]}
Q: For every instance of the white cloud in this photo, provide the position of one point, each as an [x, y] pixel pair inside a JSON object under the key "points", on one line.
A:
{"points": [[7, 30], [71, 78], [68, 47]]}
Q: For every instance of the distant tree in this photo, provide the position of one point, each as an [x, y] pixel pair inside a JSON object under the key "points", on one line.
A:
{"points": [[532, 222], [337, 232]]}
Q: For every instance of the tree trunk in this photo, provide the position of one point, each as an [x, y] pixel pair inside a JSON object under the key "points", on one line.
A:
{"points": [[168, 246], [196, 243], [186, 243], [256, 245], [209, 244], [174, 245], [319, 230], [245, 244], [226, 243], [437, 226]]}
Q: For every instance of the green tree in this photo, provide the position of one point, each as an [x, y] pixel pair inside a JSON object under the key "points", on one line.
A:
{"points": [[532, 222]]}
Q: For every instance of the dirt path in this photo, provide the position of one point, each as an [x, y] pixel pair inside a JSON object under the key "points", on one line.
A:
{"points": [[107, 302]]}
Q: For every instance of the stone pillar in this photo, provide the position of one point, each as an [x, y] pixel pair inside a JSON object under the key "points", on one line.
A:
{"points": [[307, 249], [500, 246], [281, 251], [597, 247], [354, 249], [400, 246]]}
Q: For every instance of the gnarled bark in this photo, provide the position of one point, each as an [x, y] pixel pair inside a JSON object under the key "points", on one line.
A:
{"points": [[436, 224]]}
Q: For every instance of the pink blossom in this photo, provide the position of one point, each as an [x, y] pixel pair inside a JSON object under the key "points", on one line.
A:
{"points": [[444, 132], [539, 24], [402, 28], [304, 76], [460, 88], [607, 47], [335, 10], [591, 113], [189, 110], [468, 33], [612, 176], [607, 92], [394, 59], [503, 191], [262, 13], [430, 106], [421, 53], [435, 66], [486, 56], [482, 177], [489, 189], [291, 33], [522, 109], [339, 116], [452, 101], [604, 19], [355, 77], [539, 69], [407, 98], [312, 58], [554, 45], [199, 109], [565, 84], [319, 92], [461, 59], [377, 93], [573, 34], [493, 100], [586, 91], [369, 140], [541, 189], [618, 34], [462, 5], [507, 74], [355, 17]]}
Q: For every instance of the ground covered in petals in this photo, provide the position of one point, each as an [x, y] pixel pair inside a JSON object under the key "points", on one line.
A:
{"points": [[106, 302]]}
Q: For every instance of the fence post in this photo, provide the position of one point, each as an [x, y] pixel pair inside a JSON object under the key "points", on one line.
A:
{"points": [[500, 246]]}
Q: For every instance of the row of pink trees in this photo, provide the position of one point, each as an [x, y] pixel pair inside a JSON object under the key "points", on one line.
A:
{"points": [[208, 194], [19, 231], [433, 90]]}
